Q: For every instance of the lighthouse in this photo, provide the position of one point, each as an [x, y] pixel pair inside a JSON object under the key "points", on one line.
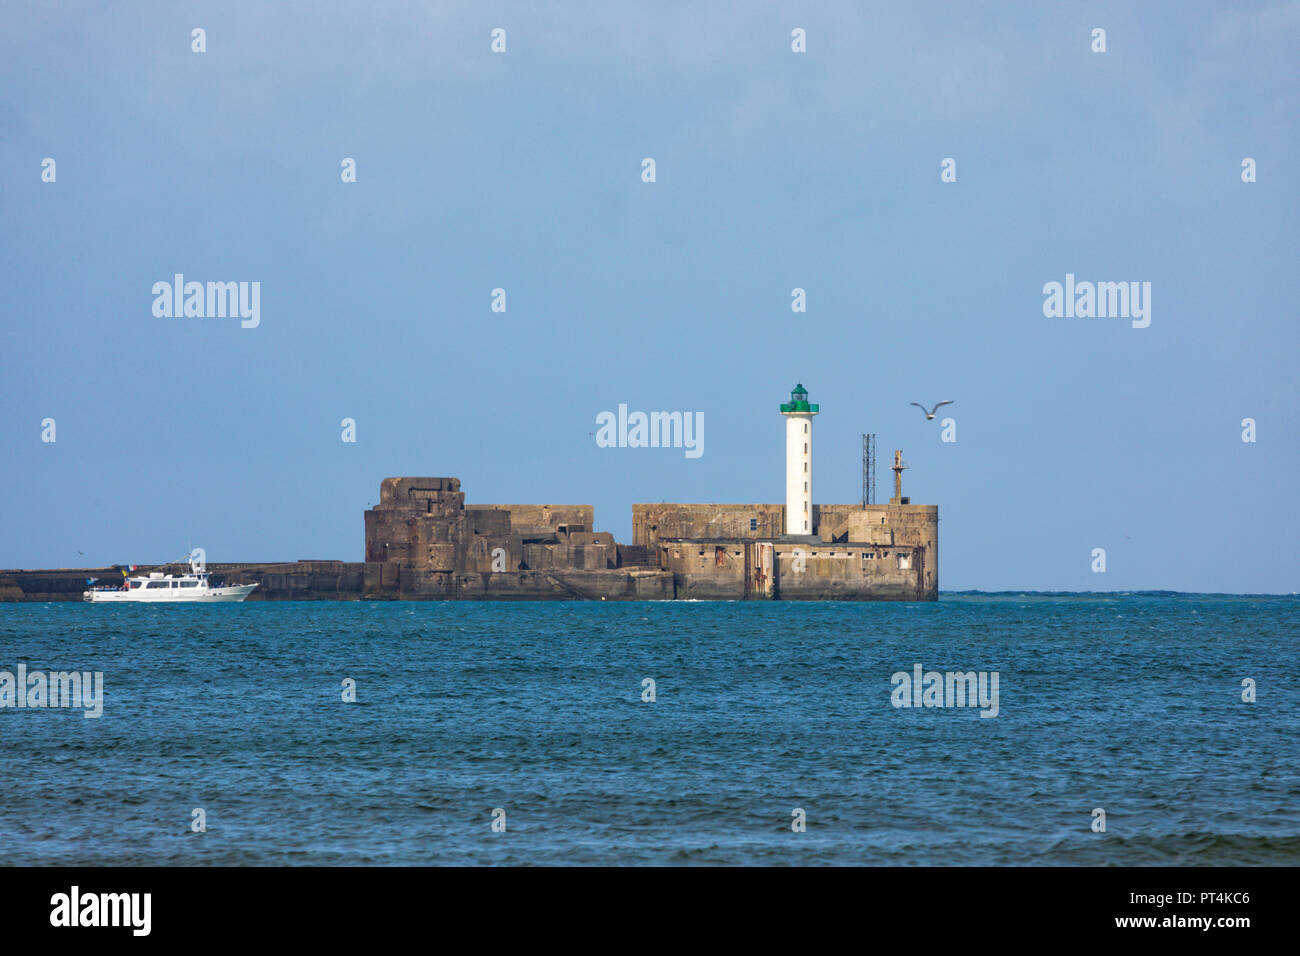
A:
{"points": [[798, 461]]}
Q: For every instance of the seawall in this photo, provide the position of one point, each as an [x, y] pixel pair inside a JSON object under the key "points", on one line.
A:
{"points": [[368, 581]]}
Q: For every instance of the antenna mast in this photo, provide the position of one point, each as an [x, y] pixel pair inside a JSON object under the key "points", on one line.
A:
{"points": [[868, 470]]}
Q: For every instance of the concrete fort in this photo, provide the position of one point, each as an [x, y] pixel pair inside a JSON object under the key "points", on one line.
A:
{"points": [[423, 542], [854, 553]]}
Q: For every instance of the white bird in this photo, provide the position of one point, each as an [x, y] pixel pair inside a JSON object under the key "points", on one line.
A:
{"points": [[930, 414]]}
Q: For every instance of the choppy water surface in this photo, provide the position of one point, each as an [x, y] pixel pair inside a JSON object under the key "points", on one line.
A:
{"points": [[1128, 703]]}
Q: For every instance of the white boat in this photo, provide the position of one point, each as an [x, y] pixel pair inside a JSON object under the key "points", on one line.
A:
{"points": [[158, 587]]}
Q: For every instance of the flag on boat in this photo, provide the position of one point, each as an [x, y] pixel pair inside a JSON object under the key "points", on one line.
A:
{"points": [[91, 580]]}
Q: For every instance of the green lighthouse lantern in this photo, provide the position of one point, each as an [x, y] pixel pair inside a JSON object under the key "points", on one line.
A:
{"points": [[798, 401]]}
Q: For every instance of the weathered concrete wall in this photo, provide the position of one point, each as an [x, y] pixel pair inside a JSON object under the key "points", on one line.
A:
{"points": [[693, 544], [297, 581], [423, 524], [636, 556], [376, 580], [277, 581], [568, 585], [708, 571], [385, 582], [411, 494], [652, 523], [419, 521], [907, 526], [423, 543], [488, 520], [576, 517], [56, 584], [849, 572], [733, 570]]}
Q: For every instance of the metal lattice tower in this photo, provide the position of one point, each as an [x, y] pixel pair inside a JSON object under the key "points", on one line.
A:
{"points": [[868, 470]]}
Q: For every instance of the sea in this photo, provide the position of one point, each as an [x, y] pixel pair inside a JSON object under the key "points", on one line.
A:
{"points": [[1126, 729]]}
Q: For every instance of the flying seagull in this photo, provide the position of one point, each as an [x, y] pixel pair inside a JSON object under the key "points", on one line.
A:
{"points": [[930, 414]]}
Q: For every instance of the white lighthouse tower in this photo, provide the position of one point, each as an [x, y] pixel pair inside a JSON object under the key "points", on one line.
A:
{"points": [[798, 461]]}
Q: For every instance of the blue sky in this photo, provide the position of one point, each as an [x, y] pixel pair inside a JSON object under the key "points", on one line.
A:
{"points": [[775, 170]]}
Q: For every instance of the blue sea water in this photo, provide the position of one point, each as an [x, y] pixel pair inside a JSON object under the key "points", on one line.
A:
{"points": [[1128, 703]]}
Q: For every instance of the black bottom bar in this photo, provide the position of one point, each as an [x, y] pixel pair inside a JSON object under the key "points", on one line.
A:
{"points": [[948, 907]]}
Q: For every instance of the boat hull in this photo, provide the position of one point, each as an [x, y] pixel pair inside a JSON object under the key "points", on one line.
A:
{"points": [[172, 595]]}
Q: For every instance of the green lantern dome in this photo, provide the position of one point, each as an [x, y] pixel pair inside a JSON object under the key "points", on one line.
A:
{"points": [[798, 401]]}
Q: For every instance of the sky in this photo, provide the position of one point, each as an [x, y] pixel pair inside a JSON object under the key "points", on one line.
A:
{"points": [[775, 170]]}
